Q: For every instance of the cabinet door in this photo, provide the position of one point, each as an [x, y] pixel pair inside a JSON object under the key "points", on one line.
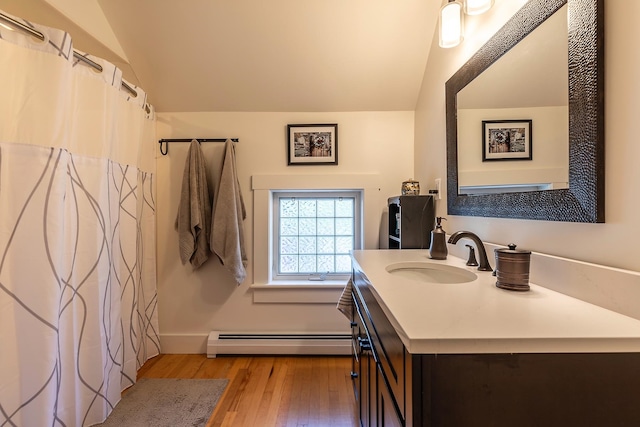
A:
{"points": [[385, 341], [355, 361], [371, 366], [362, 362], [387, 415], [367, 406]]}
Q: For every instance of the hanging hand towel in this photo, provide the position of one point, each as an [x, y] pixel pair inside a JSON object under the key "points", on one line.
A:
{"points": [[194, 211], [227, 235], [345, 303]]}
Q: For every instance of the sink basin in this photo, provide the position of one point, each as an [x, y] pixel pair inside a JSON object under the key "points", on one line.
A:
{"points": [[431, 272]]}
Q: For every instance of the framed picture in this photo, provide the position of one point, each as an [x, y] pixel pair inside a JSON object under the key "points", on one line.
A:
{"points": [[506, 140], [313, 144]]}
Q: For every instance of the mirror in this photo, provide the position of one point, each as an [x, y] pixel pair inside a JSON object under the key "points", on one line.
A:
{"points": [[529, 82], [513, 188]]}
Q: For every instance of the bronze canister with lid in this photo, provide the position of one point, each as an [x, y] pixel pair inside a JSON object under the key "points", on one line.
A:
{"points": [[512, 268]]}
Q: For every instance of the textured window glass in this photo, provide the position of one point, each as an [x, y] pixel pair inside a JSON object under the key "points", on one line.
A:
{"points": [[326, 227], [308, 227], [326, 245], [315, 235], [308, 264], [344, 207], [307, 208], [344, 245], [289, 245], [326, 263], [344, 226], [289, 263], [307, 245], [289, 226], [326, 208], [343, 263], [289, 208]]}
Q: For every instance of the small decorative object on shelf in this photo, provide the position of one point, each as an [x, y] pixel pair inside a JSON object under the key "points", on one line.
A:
{"points": [[410, 188]]}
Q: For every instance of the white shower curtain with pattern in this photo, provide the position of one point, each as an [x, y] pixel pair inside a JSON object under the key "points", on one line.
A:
{"points": [[77, 233]]}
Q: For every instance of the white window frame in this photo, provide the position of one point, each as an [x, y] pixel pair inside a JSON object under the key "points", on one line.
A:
{"points": [[265, 288], [357, 243]]}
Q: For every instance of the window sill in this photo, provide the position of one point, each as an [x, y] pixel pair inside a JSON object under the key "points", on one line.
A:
{"points": [[325, 292]]}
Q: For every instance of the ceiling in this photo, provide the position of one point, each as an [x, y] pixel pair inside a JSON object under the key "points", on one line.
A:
{"points": [[251, 55], [532, 74]]}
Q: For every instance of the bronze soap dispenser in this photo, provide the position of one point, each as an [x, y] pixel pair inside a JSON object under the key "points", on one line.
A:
{"points": [[438, 247]]}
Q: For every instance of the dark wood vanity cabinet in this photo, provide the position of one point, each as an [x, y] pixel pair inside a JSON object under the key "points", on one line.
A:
{"points": [[396, 388], [363, 370], [378, 362]]}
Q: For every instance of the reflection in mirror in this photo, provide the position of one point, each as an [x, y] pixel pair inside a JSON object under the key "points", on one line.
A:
{"points": [[567, 138], [531, 81]]}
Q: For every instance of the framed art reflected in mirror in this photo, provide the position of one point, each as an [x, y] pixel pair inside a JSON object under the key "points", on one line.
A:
{"points": [[506, 140]]}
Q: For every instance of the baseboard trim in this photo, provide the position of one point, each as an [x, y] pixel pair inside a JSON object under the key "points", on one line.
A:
{"points": [[280, 344], [255, 343], [183, 343]]}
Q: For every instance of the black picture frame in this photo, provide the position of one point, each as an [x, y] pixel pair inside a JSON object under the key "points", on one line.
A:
{"points": [[507, 140], [312, 144]]}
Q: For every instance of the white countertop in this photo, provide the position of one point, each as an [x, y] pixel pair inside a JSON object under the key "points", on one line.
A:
{"points": [[478, 317]]}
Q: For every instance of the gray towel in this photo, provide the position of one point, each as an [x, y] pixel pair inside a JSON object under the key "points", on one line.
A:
{"points": [[194, 211], [227, 233], [345, 304]]}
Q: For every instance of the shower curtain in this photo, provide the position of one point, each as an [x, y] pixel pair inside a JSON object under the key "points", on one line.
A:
{"points": [[77, 233]]}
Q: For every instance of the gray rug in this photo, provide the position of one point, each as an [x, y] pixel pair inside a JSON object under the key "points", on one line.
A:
{"points": [[167, 402]]}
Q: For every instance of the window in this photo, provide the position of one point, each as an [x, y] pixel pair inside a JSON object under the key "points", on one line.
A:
{"points": [[301, 290], [314, 231]]}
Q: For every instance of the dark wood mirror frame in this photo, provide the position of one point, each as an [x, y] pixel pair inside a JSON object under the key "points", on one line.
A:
{"points": [[583, 201]]}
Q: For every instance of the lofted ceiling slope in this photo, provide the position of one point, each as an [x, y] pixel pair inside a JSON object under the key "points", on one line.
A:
{"points": [[277, 55]]}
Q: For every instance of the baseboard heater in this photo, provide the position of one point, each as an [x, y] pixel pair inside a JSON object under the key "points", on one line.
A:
{"points": [[289, 343]]}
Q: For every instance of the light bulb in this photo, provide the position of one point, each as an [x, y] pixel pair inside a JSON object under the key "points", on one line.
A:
{"points": [[451, 24]]}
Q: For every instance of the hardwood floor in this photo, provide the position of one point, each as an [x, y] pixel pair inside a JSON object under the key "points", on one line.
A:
{"points": [[269, 391]]}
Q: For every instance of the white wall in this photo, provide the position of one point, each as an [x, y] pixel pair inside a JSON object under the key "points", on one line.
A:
{"points": [[550, 150], [613, 243], [192, 303]]}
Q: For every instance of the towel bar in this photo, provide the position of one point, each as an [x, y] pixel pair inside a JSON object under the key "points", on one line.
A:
{"points": [[166, 142]]}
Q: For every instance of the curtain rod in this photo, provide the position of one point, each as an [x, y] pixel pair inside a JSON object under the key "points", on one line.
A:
{"points": [[77, 55], [167, 141]]}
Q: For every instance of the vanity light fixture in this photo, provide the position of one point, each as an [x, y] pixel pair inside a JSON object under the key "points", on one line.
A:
{"points": [[476, 7], [451, 24], [451, 20]]}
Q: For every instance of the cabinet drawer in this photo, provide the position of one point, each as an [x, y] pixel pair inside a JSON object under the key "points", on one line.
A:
{"points": [[387, 346]]}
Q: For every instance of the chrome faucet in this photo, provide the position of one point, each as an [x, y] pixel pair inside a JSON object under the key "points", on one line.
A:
{"points": [[482, 253]]}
